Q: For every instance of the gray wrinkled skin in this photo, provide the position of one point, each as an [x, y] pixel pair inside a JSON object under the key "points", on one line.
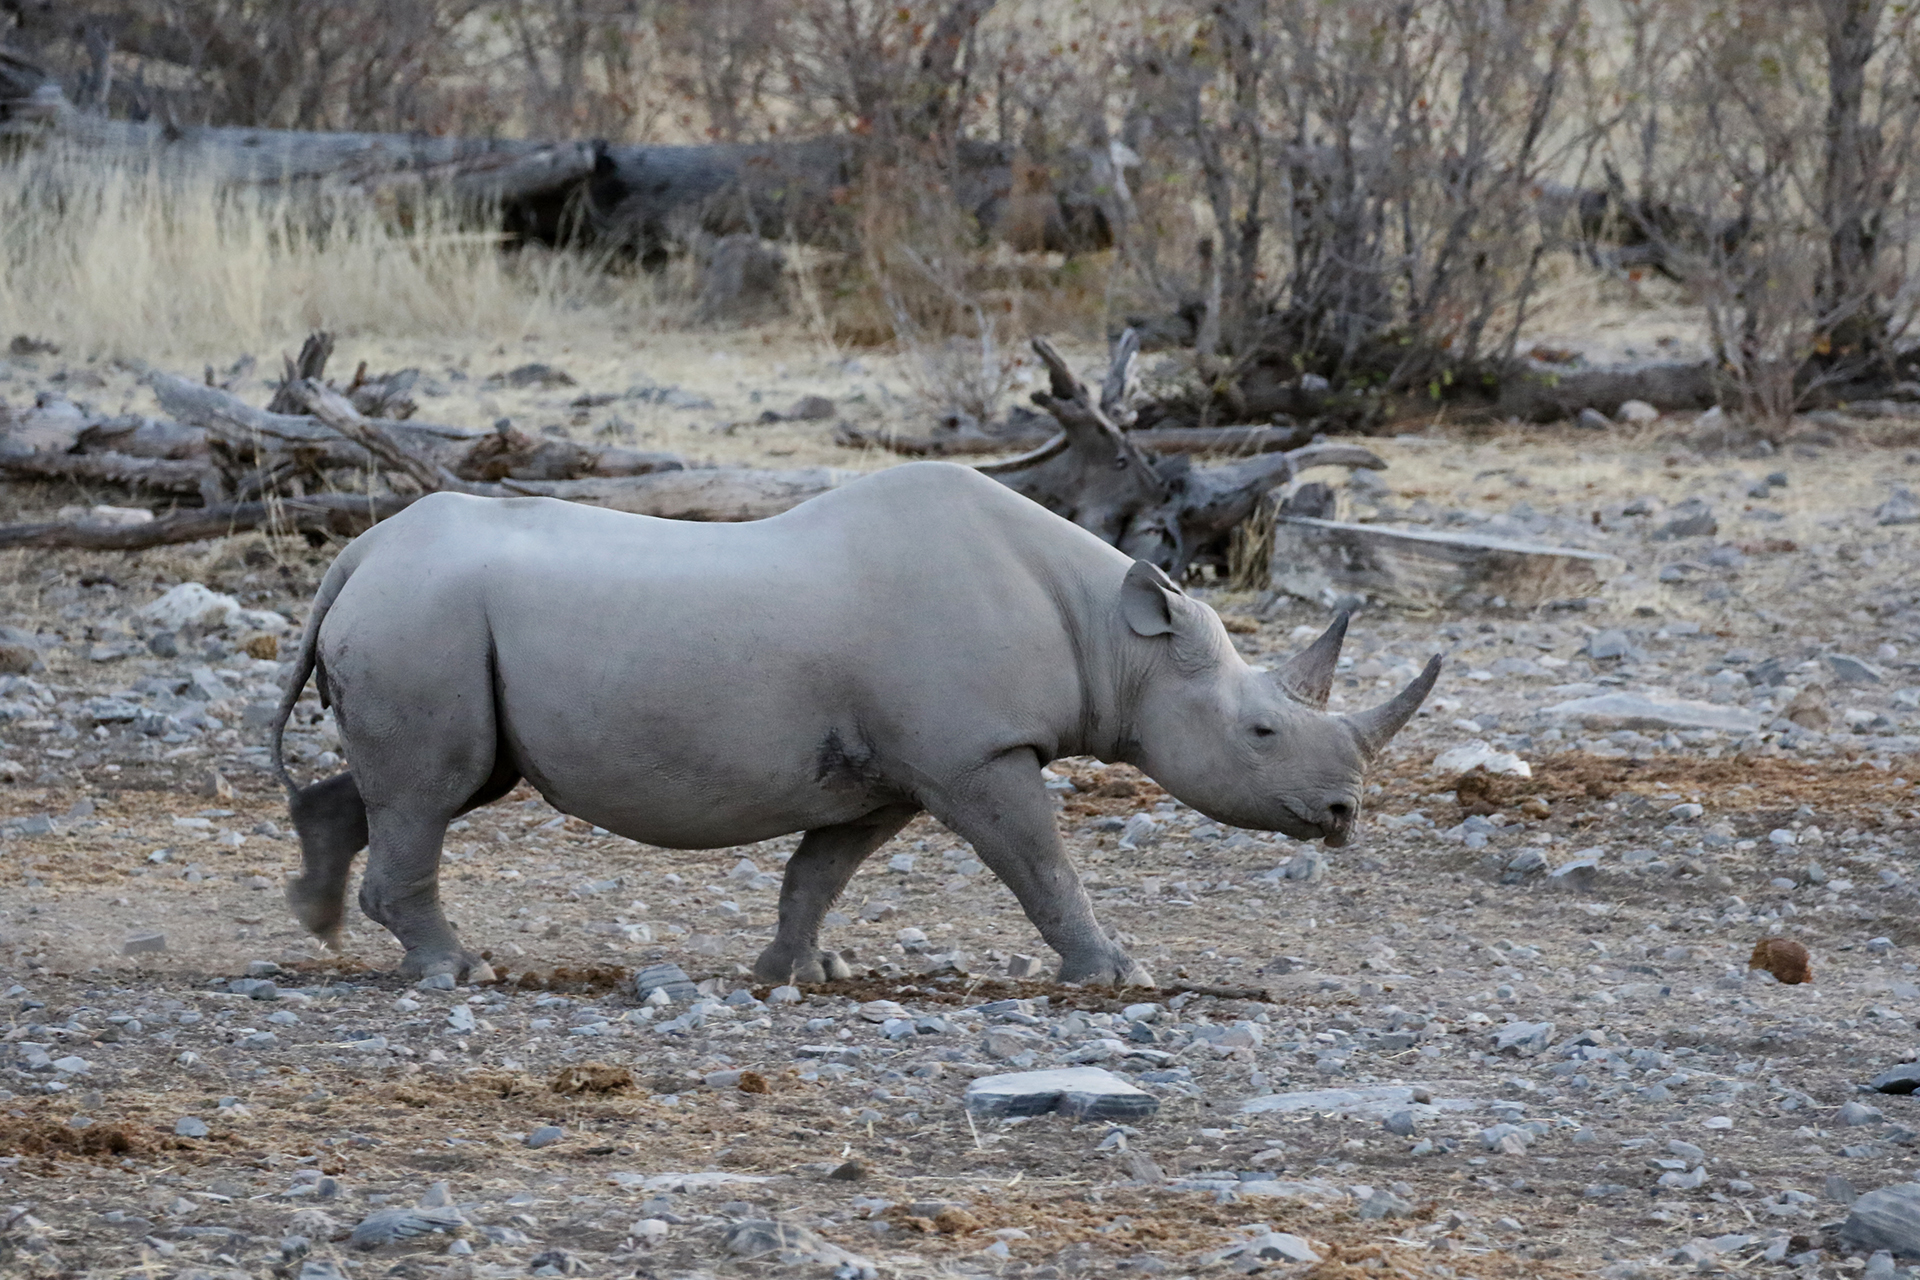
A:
{"points": [[922, 639]]}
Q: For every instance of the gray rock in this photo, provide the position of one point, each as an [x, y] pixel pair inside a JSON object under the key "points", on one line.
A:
{"points": [[1084, 1093], [1900, 508], [1523, 1039], [1401, 1123], [1593, 420], [390, 1226], [1508, 1139], [1576, 876], [1858, 1113], [669, 978], [1636, 412], [1902, 1079], [1280, 1246], [1609, 644], [139, 944], [190, 1127], [545, 1136], [758, 1238], [1021, 966], [1690, 519], [1840, 1189], [1637, 711], [1886, 1219], [1852, 670], [1384, 1204], [1308, 866]]}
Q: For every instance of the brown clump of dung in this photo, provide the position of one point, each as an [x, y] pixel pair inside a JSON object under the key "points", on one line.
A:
{"points": [[591, 1077], [1784, 958]]}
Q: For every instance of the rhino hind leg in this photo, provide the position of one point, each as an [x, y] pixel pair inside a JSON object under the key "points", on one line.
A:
{"points": [[816, 875], [401, 890], [332, 822], [1002, 810]]}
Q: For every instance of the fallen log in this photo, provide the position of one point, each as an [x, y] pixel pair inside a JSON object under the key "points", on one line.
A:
{"points": [[155, 475], [1157, 508], [1032, 431], [1535, 394], [339, 514], [1320, 560]]}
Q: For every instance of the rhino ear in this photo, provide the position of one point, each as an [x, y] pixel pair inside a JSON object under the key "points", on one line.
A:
{"points": [[1308, 675], [1149, 601]]}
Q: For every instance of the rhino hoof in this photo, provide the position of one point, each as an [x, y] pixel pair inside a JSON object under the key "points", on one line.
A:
{"points": [[821, 966], [1120, 972], [463, 966]]}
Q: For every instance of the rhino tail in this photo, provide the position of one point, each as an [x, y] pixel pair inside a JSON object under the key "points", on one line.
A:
{"points": [[307, 659]]}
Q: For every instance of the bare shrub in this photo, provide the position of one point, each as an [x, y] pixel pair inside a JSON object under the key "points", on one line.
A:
{"points": [[1785, 134], [1367, 170]]}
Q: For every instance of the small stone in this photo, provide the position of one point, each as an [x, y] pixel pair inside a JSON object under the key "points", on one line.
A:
{"points": [[190, 1127], [1903, 1079], [851, 1171], [668, 979], [1400, 1124], [1593, 420], [1900, 508], [1084, 1093], [1523, 1039], [1637, 711], [784, 995], [1281, 1246], [1690, 519], [1858, 1113], [438, 982], [72, 1065], [1575, 876], [545, 1136], [1022, 966], [138, 944], [1609, 644], [390, 1226], [1384, 1204], [1886, 1219], [1636, 412], [1849, 670], [1784, 958], [1840, 1189]]}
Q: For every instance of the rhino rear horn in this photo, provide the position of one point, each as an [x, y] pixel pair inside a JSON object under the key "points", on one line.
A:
{"points": [[1308, 675], [1377, 725]]}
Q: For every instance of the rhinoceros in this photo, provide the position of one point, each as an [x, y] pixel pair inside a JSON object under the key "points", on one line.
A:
{"points": [[918, 640]]}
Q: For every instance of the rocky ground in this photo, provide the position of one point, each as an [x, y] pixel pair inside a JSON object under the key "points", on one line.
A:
{"points": [[1511, 1033]]}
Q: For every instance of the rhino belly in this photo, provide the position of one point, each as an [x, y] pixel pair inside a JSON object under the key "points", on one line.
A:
{"points": [[657, 764]]}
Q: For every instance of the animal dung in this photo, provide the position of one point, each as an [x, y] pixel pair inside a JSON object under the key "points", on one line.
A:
{"points": [[1784, 958]]}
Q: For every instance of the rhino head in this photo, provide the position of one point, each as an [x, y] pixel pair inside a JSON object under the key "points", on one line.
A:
{"points": [[1251, 748]]}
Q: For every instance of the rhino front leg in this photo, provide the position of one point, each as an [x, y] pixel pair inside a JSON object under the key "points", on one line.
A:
{"points": [[401, 890], [1001, 809], [816, 875]]}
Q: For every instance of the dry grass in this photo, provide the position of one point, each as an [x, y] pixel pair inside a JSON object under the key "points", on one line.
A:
{"points": [[115, 259]]}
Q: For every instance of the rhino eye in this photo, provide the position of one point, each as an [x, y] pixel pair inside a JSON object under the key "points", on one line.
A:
{"points": [[1262, 731]]}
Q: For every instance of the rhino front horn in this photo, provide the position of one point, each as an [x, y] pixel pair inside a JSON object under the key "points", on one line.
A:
{"points": [[1377, 725], [1308, 675]]}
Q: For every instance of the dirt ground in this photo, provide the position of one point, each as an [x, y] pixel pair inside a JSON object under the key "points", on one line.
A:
{"points": [[1679, 1113]]}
